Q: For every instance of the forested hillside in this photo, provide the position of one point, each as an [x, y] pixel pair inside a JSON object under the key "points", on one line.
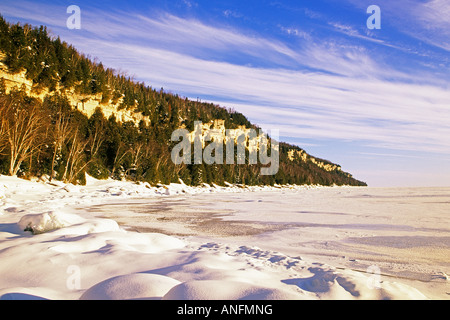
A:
{"points": [[43, 133]]}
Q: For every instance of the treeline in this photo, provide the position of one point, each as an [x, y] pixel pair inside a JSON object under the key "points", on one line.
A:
{"points": [[52, 138]]}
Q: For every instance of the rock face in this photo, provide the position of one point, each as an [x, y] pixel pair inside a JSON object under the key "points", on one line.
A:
{"points": [[84, 103], [215, 131], [303, 156]]}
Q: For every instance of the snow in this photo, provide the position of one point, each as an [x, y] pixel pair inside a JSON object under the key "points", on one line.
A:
{"points": [[131, 286], [47, 221], [226, 290], [123, 240]]}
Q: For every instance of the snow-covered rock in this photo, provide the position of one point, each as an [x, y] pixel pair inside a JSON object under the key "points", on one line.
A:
{"points": [[47, 221], [131, 286], [224, 290]]}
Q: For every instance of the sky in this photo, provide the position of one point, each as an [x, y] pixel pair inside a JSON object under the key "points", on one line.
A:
{"points": [[374, 100]]}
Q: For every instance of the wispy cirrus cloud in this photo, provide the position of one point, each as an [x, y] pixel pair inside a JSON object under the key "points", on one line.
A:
{"points": [[192, 37], [434, 17], [195, 37], [427, 21], [232, 13]]}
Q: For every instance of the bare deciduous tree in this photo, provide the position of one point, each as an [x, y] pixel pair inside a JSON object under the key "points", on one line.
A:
{"points": [[121, 153], [74, 164], [3, 132], [79, 147], [96, 139], [137, 154], [61, 134], [22, 125]]}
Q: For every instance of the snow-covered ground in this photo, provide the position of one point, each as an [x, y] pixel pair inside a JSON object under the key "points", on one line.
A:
{"points": [[121, 240]]}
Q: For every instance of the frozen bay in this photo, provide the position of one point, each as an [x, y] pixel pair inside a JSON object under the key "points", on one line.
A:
{"points": [[179, 242]]}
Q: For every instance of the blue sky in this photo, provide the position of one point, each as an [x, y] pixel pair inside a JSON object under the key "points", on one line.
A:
{"points": [[375, 101]]}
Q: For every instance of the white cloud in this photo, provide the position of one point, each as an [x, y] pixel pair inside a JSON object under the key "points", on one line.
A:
{"points": [[434, 17], [231, 13], [296, 32], [49, 15], [435, 14], [190, 4], [427, 21], [194, 37]]}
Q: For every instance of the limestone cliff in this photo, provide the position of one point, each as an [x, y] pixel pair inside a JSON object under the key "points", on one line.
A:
{"points": [[303, 156], [84, 103]]}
